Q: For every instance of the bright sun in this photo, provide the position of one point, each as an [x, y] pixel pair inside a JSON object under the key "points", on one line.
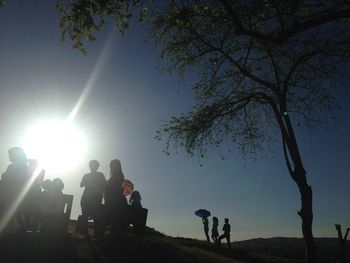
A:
{"points": [[58, 145]]}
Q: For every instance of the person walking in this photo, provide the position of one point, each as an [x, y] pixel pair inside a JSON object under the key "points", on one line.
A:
{"points": [[227, 230]]}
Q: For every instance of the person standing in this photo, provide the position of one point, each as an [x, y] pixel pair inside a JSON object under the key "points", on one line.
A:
{"points": [[214, 230], [115, 201], [36, 177], [206, 227], [91, 200], [14, 180], [227, 230]]}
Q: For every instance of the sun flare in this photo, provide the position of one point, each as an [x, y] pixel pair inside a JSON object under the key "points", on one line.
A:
{"points": [[59, 146]]}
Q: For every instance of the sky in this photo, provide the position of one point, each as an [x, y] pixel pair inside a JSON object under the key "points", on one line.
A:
{"points": [[123, 98]]}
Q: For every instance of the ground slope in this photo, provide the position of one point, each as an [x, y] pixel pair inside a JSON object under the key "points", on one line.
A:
{"points": [[152, 247]]}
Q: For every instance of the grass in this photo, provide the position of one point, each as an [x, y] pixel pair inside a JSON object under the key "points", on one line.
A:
{"points": [[153, 247], [157, 247]]}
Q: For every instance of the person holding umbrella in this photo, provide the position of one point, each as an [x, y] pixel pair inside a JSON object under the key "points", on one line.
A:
{"points": [[204, 214], [206, 227]]}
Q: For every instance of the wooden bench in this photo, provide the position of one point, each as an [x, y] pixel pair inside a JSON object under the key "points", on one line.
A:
{"points": [[137, 217]]}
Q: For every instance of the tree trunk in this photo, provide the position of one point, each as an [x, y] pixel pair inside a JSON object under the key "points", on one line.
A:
{"points": [[342, 243], [306, 215], [298, 174]]}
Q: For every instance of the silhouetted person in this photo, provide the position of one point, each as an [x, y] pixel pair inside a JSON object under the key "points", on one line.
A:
{"points": [[135, 200], [46, 185], [115, 201], [227, 230], [14, 181], [206, 227], [53, 208], [44, 196], [214, 229], [91, 200], [32, 201]]}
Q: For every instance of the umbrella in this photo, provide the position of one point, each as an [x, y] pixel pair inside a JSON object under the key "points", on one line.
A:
{"points": [[202, 213], [128, 187]]}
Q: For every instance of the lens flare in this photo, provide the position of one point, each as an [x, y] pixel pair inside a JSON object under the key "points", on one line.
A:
{"points": [[58, 146]]}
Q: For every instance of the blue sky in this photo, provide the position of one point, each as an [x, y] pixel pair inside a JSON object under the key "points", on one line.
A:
{"points": [[42, 78]]}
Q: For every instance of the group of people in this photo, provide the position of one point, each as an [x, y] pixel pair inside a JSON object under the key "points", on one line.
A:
{"points": [[26, 199], [214, 231], [97, 188], [34, 204]]}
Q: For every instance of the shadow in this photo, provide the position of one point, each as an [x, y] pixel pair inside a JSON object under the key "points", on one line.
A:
{"points": [[29, 247]]}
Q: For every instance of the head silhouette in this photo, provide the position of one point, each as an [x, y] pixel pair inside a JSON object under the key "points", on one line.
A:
{"points": [[17, 155], [135, 196], [115, 166], [93, 165], [116, 172], [57, 185], [215, 219], [47, 184], [226, 220]]}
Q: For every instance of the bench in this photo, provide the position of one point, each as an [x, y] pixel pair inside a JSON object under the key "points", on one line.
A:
{"points": [[137, 217]]}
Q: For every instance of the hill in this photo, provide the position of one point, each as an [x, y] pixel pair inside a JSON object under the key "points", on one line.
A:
{"points": [[153, 247], [327, 248]]}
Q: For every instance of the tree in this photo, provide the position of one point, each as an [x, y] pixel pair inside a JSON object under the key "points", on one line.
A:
{"points": [[263, 66], [342, 242]]}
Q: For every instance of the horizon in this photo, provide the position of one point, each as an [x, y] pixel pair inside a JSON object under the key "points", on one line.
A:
{"points": [[117, 97]]}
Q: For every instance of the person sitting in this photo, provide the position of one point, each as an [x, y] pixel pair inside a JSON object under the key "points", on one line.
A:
{"points": [[135, 200], [53, 208]]}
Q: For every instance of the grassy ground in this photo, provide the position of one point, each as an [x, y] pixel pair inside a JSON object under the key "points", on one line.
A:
{"points": [[153, 247]]}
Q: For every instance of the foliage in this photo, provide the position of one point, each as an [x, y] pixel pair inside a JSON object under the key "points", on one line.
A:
{"points": [[81, 19], [259, 61], [252, 73]]}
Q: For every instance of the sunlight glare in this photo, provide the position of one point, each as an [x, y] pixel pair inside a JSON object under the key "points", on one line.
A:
{"points": [[58, 146]]}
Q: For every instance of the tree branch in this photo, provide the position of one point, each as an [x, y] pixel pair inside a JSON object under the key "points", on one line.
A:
{"points": [[284, 34]]}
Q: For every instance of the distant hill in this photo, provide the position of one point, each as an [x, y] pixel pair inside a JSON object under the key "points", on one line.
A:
{"points": [[327, 248], [153, 247]]}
